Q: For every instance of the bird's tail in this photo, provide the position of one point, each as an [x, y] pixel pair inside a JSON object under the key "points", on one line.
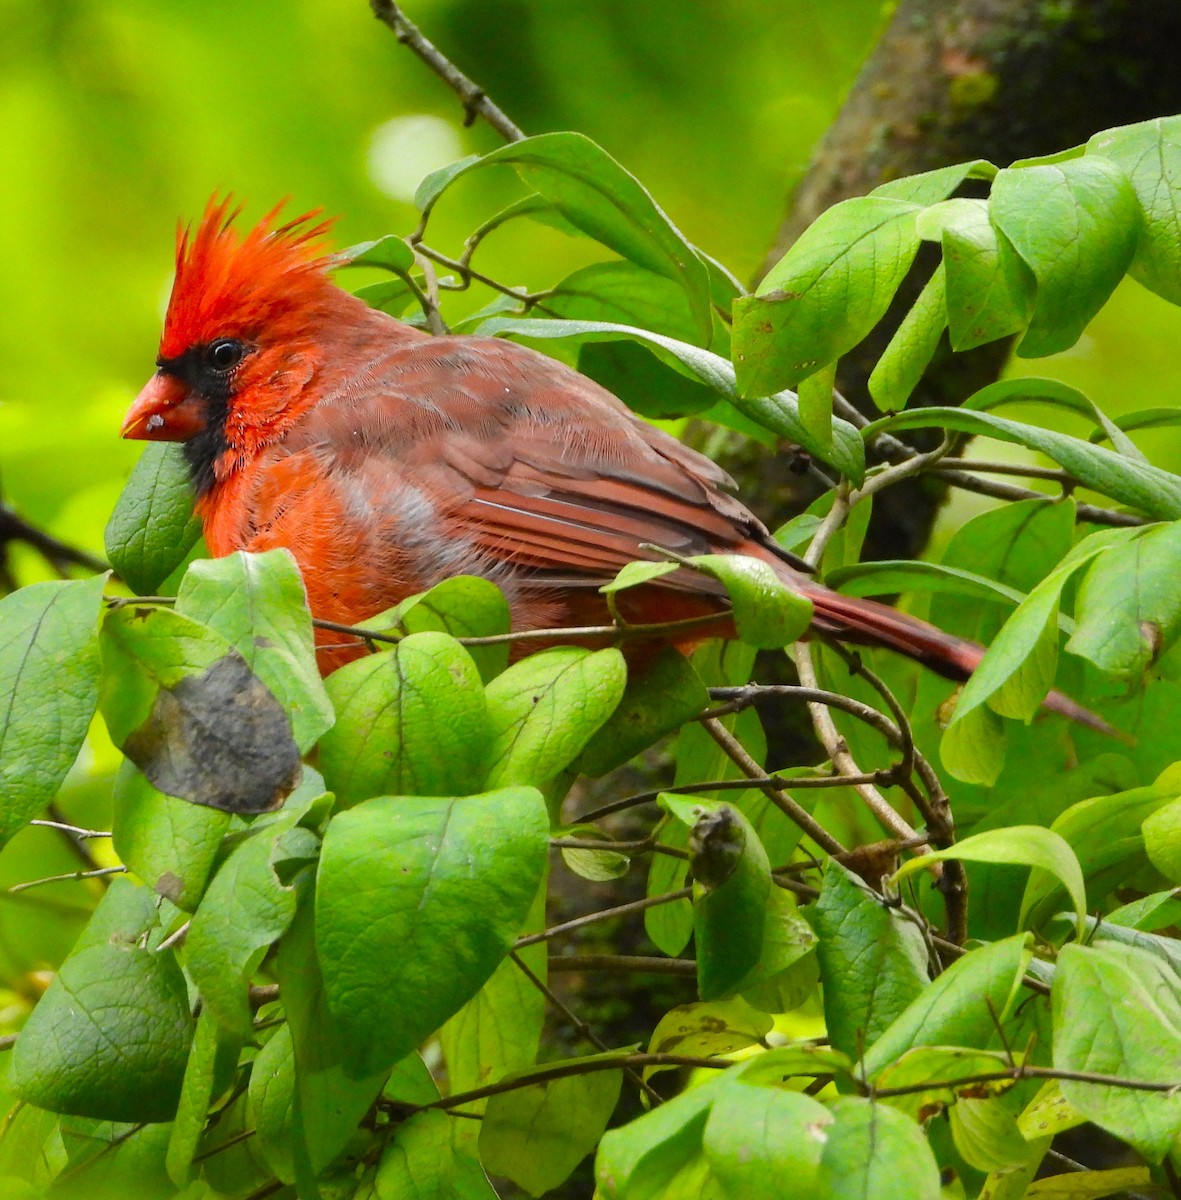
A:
{"points": [[852, 619]]}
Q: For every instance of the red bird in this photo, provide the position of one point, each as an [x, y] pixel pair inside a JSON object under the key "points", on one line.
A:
{"points": [[386, 459]]}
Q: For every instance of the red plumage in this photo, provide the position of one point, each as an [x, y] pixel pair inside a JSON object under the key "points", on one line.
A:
{"points": [[386, 459]]}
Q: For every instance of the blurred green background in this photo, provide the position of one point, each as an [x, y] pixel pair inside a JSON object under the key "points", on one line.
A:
{"points": [[117, 117]]}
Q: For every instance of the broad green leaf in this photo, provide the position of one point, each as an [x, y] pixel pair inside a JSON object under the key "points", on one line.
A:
{"points": [[1022, 845], [785, 974], [636, 574], [1162, 840], [417, 901], [986, 1134], [183, 705], [829, 290], [704, 1030], [49, 672], [410, 722], [961, 1007], [244, 911], [815, 403], [1075, 224], [767, 613], [1149, 154], [595, 194], [390, 253], [196, 1094], [732, 882], [497, 1032], [661, 695], [1129, 607], [990, 290], [972, 749], [1117, 1012], [153, 526], [874, 1150], [463, 606], [258, 604], [110, 1037], [932, 186], [1106, 835], [170, 844], [912, 347], [424, 1161], [1139, 485], [1167, 949], [1053, 393], [327, 1101], [272, 1094], [544, 710], [1091, 1185], [872, 959], [779, 412], [1150, 912], [640, 1159], [759, 1138], [390, 296], [537, 1135]]}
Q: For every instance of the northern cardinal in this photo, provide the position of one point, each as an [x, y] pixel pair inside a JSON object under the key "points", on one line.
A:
{"points": [[386, 459]]}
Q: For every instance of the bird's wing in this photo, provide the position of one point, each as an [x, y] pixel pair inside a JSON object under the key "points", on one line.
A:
{"points": [[534, 464]]}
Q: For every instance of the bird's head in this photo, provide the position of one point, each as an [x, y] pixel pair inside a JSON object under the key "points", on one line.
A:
{"points": [[239, 336]]}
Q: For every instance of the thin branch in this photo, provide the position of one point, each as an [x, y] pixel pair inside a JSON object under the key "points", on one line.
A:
{"points": [[791, 808], [67, 877], [237, 1139], [633, 964], [1027, 471], [603, 914], [1018, 1073], [473, 97], [58, 554], [75, 830], [581, 1027]]}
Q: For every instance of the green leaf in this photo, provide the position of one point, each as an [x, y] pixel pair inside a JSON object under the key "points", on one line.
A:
{"points": [[272, 1095], [874, 1150], [990, 290], [1091, 1185], [1075, 224], [418, 900], [912, 347], [1022, 845], [1149, 154], [537, 1135], [885, 577], [258, 604], [110, 1037], [153, 526], [328, 1101], [829, 290], [815, 401], [463, 606], [595, 194], [1128, 607], [1105, 833], [939, 1068], [661, 695], [625, 294], [390, 296], [49, 670], [986, 1134], [872, 959], [704, 1030], [390, 253], [1117, 1012], [732, 882], [170, 844], [1139, 485], [767, 613], [960, 1007], [758, 1138], [1162, 840], [410, 722], [183, 705], [779, 413], [245, 910], [544, 709], [424, 1161], [932, 186], [972, 749], [196, 1094]]}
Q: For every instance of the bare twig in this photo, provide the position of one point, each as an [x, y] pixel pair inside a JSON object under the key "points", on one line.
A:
{"points": [[66, 877], [603, 914], [58, 554], [473, 97], [74, 830], [634, 963]]}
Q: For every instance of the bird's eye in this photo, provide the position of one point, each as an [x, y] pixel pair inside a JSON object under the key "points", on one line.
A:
{"points": [[225, 354]]}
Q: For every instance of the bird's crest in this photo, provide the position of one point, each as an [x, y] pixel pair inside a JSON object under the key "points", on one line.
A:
{"points": [[229, 283]]}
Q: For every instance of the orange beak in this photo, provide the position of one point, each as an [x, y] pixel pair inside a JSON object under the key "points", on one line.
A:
{"points": [[165, 411]]}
